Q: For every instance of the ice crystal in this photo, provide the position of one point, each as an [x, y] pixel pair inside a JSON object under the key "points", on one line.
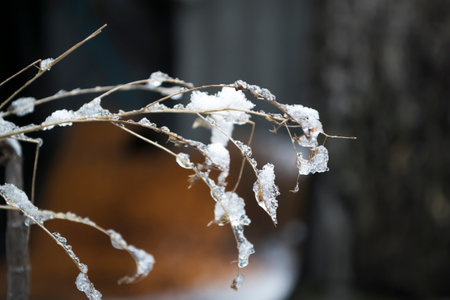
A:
{"points": [[85, 285], [316, 163], [266, 191], [156, 107], [61, 116], [44, 65], [22, 106], [68, 248]]}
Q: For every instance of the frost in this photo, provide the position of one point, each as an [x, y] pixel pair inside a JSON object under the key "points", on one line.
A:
{"points": [[308, 118], [317, 163], [226, 105], [183, 160], [237, 282], [45, 64], [157, 79], [85, 285], [266, 191], [17, 198], [231, 209], [22, 106], [219, 155]]}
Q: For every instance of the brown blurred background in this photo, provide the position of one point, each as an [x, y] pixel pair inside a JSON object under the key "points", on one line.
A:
{"points": [[376, 226]]}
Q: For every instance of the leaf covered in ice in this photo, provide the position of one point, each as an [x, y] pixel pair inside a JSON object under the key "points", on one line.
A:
{"points": [[266, 191]]}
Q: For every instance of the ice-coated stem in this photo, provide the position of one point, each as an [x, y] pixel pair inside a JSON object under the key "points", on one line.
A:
{"points": [[17, 257]]}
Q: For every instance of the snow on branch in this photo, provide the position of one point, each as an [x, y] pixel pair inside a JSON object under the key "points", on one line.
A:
{"points": [[219, 112]]}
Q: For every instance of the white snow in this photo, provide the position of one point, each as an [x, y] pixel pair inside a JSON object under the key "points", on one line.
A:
{"points": [[266, 190], [22, 106], [219, 155], [227, 98], [6, 126]]}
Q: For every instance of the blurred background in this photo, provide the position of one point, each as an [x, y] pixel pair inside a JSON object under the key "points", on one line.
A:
{"points": [[377, 226]]}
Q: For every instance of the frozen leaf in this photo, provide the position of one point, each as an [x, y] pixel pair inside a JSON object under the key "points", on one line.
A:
{"points": [[266, 191], [22, 106], [86, 286], [144, 260], [317, 162]]}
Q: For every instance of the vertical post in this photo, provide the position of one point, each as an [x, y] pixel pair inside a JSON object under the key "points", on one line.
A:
{"points": [[17, 257]]}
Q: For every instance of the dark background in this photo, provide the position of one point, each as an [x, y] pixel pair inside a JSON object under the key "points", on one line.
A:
{"points": [[378, 224]]}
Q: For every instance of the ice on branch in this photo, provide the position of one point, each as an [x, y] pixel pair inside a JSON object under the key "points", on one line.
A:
{"points": [[266, 191], [184, 161], [144, 261], [68, 248], [44, 65], [17, 198], [86, 286], [230, 209], [245, 248], [226, 110], [308, 118], [219, 155], [316, 163], [260, 93], [22, 106], [88, 111], [156, 79]]}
